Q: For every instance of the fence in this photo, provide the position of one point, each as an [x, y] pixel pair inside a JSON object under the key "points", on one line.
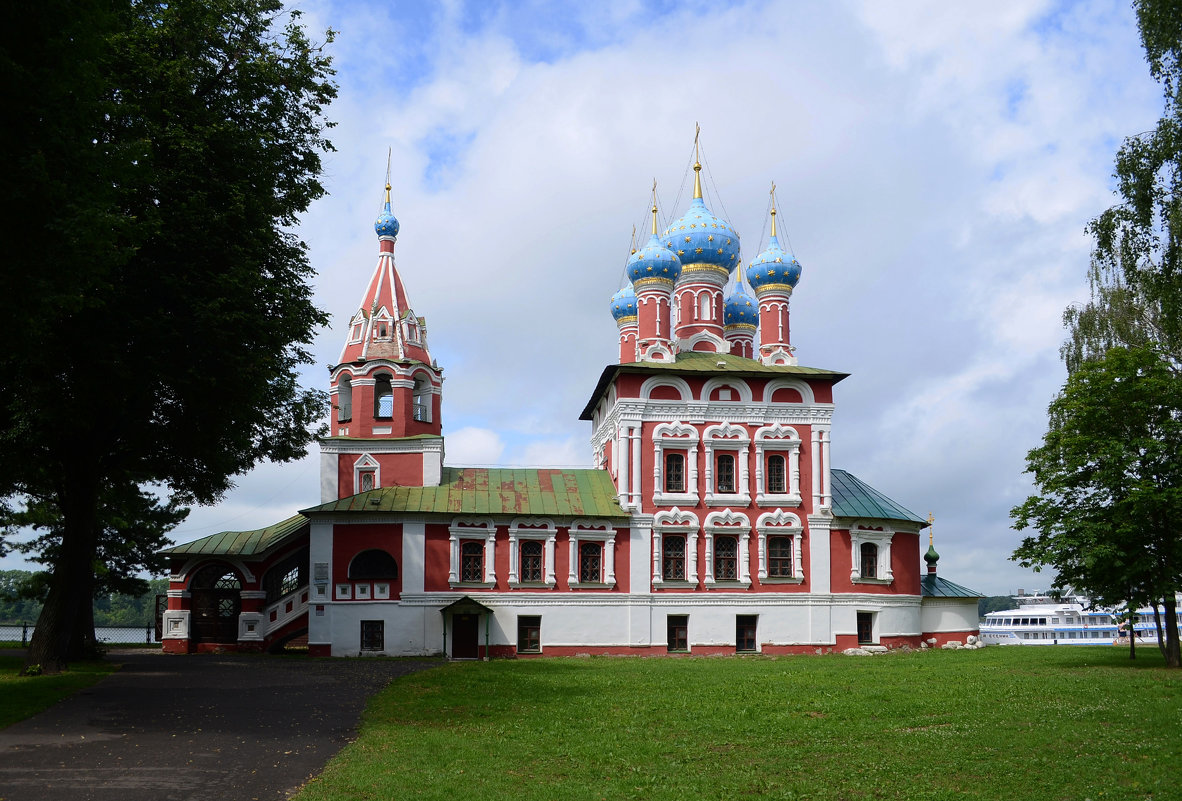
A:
{"points": [[111, 635]]}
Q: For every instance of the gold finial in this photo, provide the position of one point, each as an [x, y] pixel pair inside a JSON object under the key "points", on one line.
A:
{"points": [[654, 207], [387, 175], [697, 164], [931, 529], [633, 245]]}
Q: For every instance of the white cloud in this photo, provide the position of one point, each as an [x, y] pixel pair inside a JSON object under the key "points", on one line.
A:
{"points": [[474, 446]]}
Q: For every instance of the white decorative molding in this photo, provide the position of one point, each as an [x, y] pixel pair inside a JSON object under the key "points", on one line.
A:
{"points": [[473, 528], [586, 530], [675, 436], [769, 440], [785, 524], [676, 521], [175, 624], [880, 537], [738, 385], [728, 437], [366, 464], [538, 529], [728, 523]]}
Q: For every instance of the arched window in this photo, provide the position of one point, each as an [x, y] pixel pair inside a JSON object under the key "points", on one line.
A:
{"points": [[383, 397], [531, 560], [472, 560], [344, 399], [725, 476], [674, 472], [704, 306], [422, 399], [373, 564], [777, 483], [726, 559], [869, 559]]}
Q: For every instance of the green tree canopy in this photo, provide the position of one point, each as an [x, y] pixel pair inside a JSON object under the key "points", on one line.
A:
{"points": [[1109, 482], [158, 304]]}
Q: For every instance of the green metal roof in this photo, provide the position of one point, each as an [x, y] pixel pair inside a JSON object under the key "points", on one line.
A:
{"points": [[495, 491], [853, 497], [243, 543], [936, 587], [693, 362]]}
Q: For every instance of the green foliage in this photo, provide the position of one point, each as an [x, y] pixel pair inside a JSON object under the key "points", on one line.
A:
{"points": [[1013, 723], [22, 593], [1136, 272], [1109, 483], [157, 304], [22, 696]]}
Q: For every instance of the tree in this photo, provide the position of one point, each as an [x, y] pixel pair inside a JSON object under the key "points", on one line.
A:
{"points": [[1109, 486], [1136, 271], [157, 305]]}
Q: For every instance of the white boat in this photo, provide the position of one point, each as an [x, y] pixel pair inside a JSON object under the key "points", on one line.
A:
{"points": [[1041, 619]]}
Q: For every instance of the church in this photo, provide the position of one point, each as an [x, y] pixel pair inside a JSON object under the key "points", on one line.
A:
{"points": [[712, 521]]}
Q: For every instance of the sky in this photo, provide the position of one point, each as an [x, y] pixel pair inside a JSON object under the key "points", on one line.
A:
{"points": [[936, 165]]}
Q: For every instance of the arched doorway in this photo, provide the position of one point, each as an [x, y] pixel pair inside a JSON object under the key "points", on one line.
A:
{"points": [[216, 596]]}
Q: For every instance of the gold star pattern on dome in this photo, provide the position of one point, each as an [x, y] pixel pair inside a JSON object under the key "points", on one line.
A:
{"points": [[668, 244], [687, 239], [697, 250], [728, 241], [681, 253], [779, 260], [650, 268], [720, 251], [710, 238]]}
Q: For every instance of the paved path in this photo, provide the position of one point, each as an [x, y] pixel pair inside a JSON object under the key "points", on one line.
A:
{"points": [[203, 727]]}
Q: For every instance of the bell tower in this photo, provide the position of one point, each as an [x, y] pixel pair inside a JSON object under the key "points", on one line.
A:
{"points": [[386, 390]]}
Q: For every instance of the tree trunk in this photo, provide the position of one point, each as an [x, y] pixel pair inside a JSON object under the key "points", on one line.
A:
{"points": [[61, 633], [1173, 657], [1161, 637]]}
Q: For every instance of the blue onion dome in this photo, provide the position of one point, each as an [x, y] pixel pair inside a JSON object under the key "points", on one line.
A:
{"points": [[386, 223], [774, 269], [653, 264], [623, 305], [740, 309], [702, 241]]}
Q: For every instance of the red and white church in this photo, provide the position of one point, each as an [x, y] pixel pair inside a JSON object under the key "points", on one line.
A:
{"points": [[712, 522]]}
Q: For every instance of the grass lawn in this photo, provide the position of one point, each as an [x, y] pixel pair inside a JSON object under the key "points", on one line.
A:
{"points": [[24, 696], [1002, 723]]}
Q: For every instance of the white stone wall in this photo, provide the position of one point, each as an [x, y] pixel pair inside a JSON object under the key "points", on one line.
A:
{"points": [[949, 614]]}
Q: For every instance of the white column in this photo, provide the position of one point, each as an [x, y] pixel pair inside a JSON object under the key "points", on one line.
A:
{"points": [[490, 565], [709, 557], [453, 571], [636, 442], [827, 500], [623, 443], [656, 556], [414, 556], [762, 574], [744, 486], [573, 562], [550, 547], [745, 558], [691, 542], [816, 464], [609, 560], [513, 550]]}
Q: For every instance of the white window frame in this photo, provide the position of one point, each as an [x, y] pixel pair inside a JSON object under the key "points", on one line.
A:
{"points": [[357, 328], [732, 524], [780, 524], [366, 464], [383, 316], [726, 437], [591, 531], [412, 329], [538, 529], [880, 536], [473, 528], [676, 521], [424, 399], [777, 439], [675, 436]]}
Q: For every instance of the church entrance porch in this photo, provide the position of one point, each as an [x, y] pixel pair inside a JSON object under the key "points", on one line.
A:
{"points": [[462, 621]]}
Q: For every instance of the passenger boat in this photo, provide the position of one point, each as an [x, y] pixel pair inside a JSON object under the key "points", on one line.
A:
{"points": [[1041, 619]]}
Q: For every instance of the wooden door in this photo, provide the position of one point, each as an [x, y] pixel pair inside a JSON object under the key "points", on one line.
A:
{"points": [[465, 636]]}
